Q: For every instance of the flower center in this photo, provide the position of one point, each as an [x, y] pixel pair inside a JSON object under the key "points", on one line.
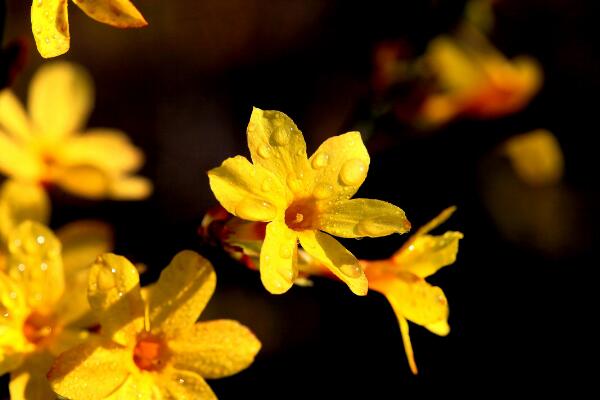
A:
{"points": [[38, 328], [302, 214], [150, 352]]}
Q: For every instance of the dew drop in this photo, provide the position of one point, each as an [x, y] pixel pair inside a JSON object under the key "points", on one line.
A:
{"points": [[264, 151], [255, 210], [320, 160], [351, 270], [323, 191], [371, 227], [40, 239], [40, 3], [44, 266], [280, 137], [106, 279], [266, 185], [294, 182], [353, 172]]}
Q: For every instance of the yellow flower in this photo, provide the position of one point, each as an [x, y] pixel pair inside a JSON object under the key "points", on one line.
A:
{"points": [[536, 156], [47, 146], [401, 279], [150, 345], [300, 197], [39, 317], [50, 21], [474, 79]]}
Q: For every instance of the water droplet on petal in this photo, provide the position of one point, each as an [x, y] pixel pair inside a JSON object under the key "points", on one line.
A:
{"points": [[351, 270], [294, 182], [106, 279], [40, 239], [43, 266], [323, 191], [371, 227], [264, 151], [40, 3], [320, 160], [255, 210], [280, 137], [353, 172]]}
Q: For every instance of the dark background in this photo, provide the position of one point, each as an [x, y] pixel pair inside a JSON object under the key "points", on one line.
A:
{"points": [[521, 292]]}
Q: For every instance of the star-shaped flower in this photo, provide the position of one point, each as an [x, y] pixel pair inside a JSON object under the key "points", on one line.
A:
{"points": [[150, 345], [50, 21], [302, 198], [48, 147]]}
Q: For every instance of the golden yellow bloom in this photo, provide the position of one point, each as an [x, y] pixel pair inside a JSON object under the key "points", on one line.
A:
{"points": [[50, 21], [300, 197], [401, 279], [474, 79], [39, 316], [150, 345], [47, 146], [536, 156]]}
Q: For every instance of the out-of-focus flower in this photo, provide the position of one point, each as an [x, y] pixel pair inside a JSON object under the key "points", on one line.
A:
{"points": [[50, 21], [150, 345], [300, 197], [401, 279], [536, 157], [47, 146], [41, 312], [475, 80]]}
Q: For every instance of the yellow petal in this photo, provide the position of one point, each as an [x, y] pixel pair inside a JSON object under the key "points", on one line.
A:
{"points": [[335, 257], [276, 144], [181, 293], [179, 384], [50, 25], [29, 381], [363, 217], [140, 385], [536, 157], [440, 328], [17, 162], [114, 294], [215, 349], [90, 371], [10, 360], [107, 150], [119, 13], [35, 261], [84, 181], [410, 355], [278, 258], [61, 96], [130, 188], [413, 298], [340, 166], [21, 201], [248, 191], [452, 65], [426, 254], [13, 118], [65, 340], [83, 241]]}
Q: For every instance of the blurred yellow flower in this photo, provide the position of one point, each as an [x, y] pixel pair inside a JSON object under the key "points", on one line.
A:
{"points": [[150, 345], [47, 146], [536, 157], [474, 79], [300, 197], [50, 21], [41, 312], [401, 279]]}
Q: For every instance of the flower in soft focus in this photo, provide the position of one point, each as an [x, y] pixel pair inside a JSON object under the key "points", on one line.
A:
{"points": [[50, 21], [536, 157], [474, 79], [401, 279], [42, 302], [150, 345], [300, 197], [48, 146]]}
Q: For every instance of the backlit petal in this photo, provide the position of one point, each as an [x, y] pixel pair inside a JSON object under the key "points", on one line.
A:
{"points": [[278, 258], [114, 294], [16, 161], [277, 144], [50, 25], [139, 385], [13, 118], [426, 254], [61, 96], [21, 201], [410, 355], [215, 349], [341, 164], [35, 261], [84, 181], [363, 217], [248, 191], [119, 13], [181, 293], [184, 385], [335, 257], [130, 188], [90, 371]]}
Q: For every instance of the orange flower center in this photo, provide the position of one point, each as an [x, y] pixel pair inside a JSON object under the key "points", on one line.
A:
{"points": [[302, 214], [38, 328], [150, 352]]}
